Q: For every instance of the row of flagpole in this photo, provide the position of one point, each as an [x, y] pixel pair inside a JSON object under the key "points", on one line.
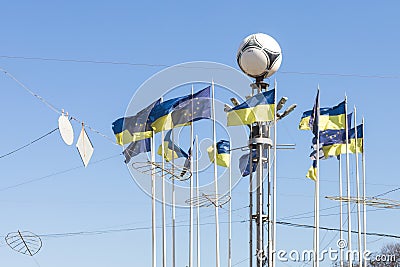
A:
{"points": [[134, 130], [194, 170], [314, 125]]}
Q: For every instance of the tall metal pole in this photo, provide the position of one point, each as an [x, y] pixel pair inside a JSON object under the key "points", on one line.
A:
{"points": [[360, 261], [260, 205], [316, 252], [191, 192], [197, 196], [349, 258], [173, 209], [251, 205], [259, 141], [153, 204], [230, 216], [341, 209], [274, 181], [269, 203], [164, 225], [364, 194], [217, 258]]}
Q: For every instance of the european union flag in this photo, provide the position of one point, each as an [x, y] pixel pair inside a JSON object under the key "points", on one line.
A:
{"points": [[223, 154], [197, 107], [171, 150], [260, 107], [135, 148], [244, 163], [134, 128], [338, 146], [181, 111]]}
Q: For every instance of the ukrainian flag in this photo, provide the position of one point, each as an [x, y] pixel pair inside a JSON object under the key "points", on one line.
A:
{"points": [[338, 145], [223, 153], [171, 150], [260, 107], [329, 118], [134, 128], [181, 111], [312, 172]]}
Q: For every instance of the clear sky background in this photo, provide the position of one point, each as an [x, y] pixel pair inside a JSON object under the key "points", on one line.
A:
{"points": [[345, 47]]}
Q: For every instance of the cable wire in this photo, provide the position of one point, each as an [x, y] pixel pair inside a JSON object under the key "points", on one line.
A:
{"points": [[376, 76], [53, 108], [30, 143]]}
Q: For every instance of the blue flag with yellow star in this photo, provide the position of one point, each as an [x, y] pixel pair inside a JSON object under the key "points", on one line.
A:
{"points": [[181, 111], [134, 128]]}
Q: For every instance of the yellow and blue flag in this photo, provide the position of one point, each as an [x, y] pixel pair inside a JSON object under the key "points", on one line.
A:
{"points": [[260, 107], [244, 163], [181, 111], [312, 172], [223, 154], [337, 144], [135, 148], [134, 128], [329, 118], [171, 150]]}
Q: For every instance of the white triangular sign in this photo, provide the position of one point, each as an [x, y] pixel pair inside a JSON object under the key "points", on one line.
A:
{"points": [[85, 147]]}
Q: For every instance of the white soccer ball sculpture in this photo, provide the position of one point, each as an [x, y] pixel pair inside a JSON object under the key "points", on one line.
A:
{"points": [[259, 55]]}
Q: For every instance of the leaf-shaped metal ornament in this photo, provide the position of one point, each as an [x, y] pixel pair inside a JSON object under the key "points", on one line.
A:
{"points": [[24, 242]]}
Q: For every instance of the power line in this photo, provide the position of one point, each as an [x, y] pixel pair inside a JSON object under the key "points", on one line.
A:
{"points": [[335, 229], [52, 107], [54, 174], [167, 65], [30, 143]]}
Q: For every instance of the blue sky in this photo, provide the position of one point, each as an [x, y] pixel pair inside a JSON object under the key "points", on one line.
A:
{"points": [[356, 42]]}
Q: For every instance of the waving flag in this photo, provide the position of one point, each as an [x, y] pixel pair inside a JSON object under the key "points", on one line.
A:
{"points": [[260, 107], [171, 150], [223, 154], [312, 172], [134, 128], [244, 163], [337, 145], [181, 111], [329, 118], [135, 148]]}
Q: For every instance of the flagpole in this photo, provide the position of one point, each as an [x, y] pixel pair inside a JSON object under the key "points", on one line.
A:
{"points": [[198, 206], [360, 262], [364, 194], [217, 258], [341, 209], [316, 255], [164, 226], [173, 208], [153, 203], [191, 192], [348, 188], [274, 182], [230, 215], [251, 205]]}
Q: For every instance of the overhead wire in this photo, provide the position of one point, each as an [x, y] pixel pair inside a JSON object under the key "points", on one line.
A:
{"points": [[52, 107], [56, 173], [168, 65], [28, 144]]}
